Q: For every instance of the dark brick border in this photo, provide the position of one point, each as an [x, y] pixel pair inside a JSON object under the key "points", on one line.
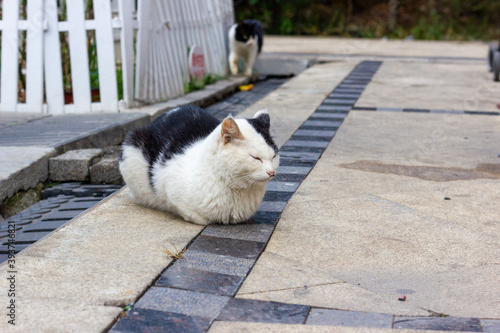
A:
{"points": [[386, 109]]}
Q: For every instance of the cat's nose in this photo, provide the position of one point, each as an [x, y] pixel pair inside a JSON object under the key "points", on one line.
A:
{"points": [[271, 173]]}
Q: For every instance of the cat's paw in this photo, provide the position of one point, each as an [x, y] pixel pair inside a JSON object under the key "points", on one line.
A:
{"points": [[248, 72]]}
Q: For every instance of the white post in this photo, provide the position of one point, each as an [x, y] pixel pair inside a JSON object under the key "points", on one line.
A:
{"points": [[10, 54], [79, 56], [34, 57], [127, 50], [105, 56], [54, 90], [141, 66]]}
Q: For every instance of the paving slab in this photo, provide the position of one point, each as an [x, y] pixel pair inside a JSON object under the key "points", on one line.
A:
{"points": [[230, 327], [22, 168], [349, 318], [49, 316], [390, 232], [106, 171], [73, 165], [432, 86], [14, 118], [375, 47]]}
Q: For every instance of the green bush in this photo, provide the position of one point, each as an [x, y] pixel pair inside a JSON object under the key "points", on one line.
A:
{"points": [[435, 20]]}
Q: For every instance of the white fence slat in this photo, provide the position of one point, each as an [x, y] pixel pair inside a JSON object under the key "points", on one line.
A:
{"points": [[167, 49], [10, 53], [179, 44], [156, 67], [127, 50], [54, 90], [105, 56], [142, 50], [79, 56], [34, 56]]}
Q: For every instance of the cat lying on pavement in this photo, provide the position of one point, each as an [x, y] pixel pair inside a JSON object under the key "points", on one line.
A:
{"points": [[187, 163]]}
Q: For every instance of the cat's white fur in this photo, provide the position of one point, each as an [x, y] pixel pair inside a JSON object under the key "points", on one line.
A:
{"points": [[247, 51], [212, 181]]}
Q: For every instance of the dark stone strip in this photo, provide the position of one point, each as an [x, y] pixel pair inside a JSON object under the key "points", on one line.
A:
{"points": [[295, 162], [308, 138], [385, 109], [279, 196], [484, 113], [416, 110], [227, 246], [320, 128], [186, 278], [270, 218], [145, 320], [303, 149], [238, 309], [438, 323], [364, 108]]}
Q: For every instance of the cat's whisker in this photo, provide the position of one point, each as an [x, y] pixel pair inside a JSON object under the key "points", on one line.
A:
{"points": [[243, 181]]}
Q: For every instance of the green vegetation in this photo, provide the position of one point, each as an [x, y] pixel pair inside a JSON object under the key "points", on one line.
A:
{"points": [[198, 84], [433, 20]]}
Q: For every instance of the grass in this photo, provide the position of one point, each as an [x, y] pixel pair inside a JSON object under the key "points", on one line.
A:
{"points": [[175, 255], [199, 84]]}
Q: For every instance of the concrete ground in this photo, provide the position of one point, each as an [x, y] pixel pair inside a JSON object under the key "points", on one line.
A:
{"points": [[400, 202]]}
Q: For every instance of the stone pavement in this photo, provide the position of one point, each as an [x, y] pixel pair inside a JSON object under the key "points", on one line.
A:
{"points": [[397, 204]]}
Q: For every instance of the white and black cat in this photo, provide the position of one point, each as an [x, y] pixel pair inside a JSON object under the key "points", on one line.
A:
{"points": [[188, 163], [245, 41]]}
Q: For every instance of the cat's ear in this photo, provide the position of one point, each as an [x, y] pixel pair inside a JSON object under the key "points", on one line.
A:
{"points": [[230, 130], [263, 118]]}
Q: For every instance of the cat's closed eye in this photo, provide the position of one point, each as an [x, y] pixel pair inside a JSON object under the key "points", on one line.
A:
{"points": [[256, 158]]}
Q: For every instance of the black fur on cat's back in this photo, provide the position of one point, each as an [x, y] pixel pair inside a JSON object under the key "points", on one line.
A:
{"points": [[247, 28], [172, 133]]}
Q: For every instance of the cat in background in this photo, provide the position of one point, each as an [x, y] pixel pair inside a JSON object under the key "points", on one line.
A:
{"points": [[245, 41], [188, 163]]}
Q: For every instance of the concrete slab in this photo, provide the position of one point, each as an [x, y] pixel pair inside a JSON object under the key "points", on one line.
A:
{"points": [[389, 232], [375, 47], [14, 118], [107, 256], [106, 171], [432, 86], [230, 327], [349, 318], [48, 316], [296, 99], [22, 168], [73, 165], [266, 65]]}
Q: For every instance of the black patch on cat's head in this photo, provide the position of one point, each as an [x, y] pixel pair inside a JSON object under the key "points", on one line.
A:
{"points": [[243, 32], [249, 28], [264, 119], [261, 124]]}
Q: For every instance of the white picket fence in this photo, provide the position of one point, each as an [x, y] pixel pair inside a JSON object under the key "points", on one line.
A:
{"points": [[164, 29]]}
